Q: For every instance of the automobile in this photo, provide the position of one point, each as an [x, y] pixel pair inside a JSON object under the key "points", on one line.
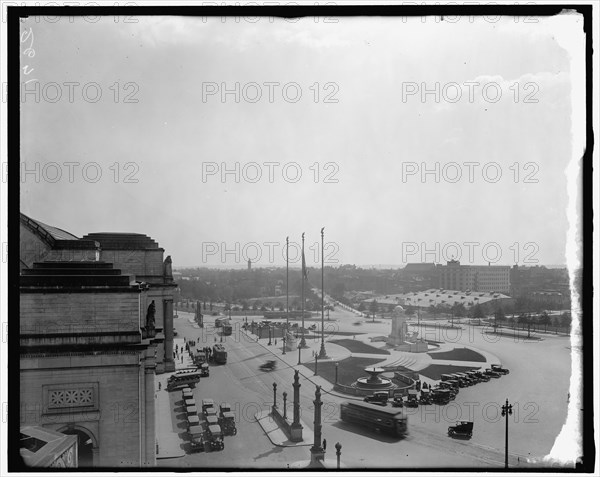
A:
{"points": [[482, 376], [499, 369], [461, 429], [493, 374], [398, 401], [196, 438], [379, 397], [215, 437], [412, 400], [204, 370], [312, 327], [440, 396], [425, 397], [269, 365], [227, 422], [357, 323]]}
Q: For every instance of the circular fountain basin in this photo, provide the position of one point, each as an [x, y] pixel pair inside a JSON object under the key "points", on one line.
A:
{"points": [[374, 382]]}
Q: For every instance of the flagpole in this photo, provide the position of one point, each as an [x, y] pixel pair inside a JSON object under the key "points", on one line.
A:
{"points": [[303, 341], [322, 352], [287, 286]]}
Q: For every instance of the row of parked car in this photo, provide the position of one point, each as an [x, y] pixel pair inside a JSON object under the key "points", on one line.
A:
{"points": [[443, 392], [216, 424], [450, 383]]}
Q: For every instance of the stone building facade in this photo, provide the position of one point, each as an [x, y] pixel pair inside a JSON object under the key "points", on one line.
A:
{"points": [[94, 317]]}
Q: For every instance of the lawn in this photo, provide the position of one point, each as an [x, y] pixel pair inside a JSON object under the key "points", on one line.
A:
{"points": [[359, 347], [435, 371], [459, 354], [349, 369]]}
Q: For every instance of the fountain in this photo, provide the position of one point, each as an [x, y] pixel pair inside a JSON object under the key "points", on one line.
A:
{"points": [[374, 382]]}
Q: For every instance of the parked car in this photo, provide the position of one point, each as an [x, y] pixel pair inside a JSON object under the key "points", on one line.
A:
{"points": [[380, 397], [499, 369], [492, 374]]}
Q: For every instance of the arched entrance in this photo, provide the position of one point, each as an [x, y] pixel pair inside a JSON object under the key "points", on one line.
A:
{"points": [[84, 447]]}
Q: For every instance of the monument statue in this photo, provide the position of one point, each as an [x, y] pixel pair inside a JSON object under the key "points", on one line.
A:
{"points": [[150, 320], [168, 268]]}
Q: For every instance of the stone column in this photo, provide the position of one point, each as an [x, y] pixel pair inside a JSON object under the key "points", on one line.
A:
{"points": [[296, 427], [317, 454], [274, 396], [149, 458], [168, 330]]}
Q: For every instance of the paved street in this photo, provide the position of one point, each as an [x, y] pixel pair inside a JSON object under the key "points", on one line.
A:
{"points": [[539, 412]]}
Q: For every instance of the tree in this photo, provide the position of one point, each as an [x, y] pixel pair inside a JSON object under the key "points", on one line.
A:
{"points": [[565, 320], [498, 316], [244, 305], [544, 319], [361, 306], [374, 308], [477, 312]]}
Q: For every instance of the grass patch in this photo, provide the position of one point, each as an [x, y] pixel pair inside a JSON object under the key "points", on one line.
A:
{"points": [[459, 354], [349, 369], [359, 347], [435, 371]]}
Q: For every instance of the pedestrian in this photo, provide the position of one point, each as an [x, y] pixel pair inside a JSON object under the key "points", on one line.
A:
{"points": [[159, 385], [181, 359], [324, 444], [173, 354]]}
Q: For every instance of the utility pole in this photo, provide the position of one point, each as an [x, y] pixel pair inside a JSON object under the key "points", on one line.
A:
{"points": [[506, 411]]}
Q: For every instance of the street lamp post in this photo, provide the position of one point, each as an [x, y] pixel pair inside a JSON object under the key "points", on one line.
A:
{"points": [[299, 351], [269, 343], [284, 345], [506, 411], [338, 453], [316, 359]]}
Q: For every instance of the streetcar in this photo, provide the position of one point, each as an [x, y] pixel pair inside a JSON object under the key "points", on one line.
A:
{"points": [[388, 420], [219, 354]]}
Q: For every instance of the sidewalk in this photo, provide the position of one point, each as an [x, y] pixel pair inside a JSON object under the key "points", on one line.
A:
{"points": [[168, 442], [277, 436]]}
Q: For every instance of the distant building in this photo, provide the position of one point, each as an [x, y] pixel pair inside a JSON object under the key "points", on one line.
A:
{"points": [[479, 278], [489, 301]]}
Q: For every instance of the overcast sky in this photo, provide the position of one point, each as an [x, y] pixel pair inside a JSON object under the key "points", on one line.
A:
{"points": [[361, 123]]}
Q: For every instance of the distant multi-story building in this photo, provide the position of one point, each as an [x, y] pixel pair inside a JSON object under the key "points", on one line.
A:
{"points": [[480, 278]]}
